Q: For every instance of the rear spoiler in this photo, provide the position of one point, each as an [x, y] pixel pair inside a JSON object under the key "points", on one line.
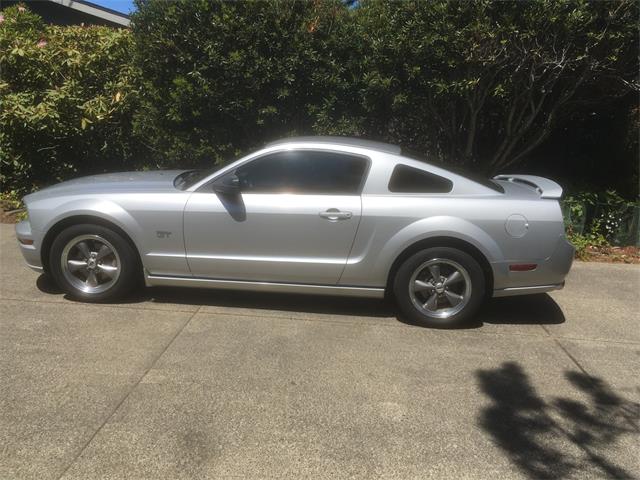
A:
{"points": [[546, 188]]}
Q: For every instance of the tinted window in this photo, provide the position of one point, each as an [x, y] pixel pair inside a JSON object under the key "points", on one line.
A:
{"points": [[303, 172], [485, 182], [406, 179]]}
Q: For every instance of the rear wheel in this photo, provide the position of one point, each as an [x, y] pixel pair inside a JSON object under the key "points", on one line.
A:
{"points": [[93, 263], [439, 287]]}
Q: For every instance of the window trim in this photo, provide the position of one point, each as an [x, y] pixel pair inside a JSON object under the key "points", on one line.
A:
{"points": [[400, 164], [206, 188]]}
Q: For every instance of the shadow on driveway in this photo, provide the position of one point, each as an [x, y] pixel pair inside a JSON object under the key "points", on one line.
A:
{"points": [[535, 433], [538, 309]]}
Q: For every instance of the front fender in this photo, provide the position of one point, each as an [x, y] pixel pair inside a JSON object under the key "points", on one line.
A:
{"points": [[140, 217], [103, 209], [45, 214]]}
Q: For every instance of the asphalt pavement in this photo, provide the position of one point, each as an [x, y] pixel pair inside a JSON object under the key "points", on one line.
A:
{"points": [[191, 384]]}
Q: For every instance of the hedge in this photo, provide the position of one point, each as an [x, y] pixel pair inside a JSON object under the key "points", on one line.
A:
{"points": [[476, 83], [67, 95], [479, 84]]}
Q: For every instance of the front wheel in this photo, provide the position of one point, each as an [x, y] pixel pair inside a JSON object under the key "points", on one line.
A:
{"points": [[93, 263], [439, 287]]}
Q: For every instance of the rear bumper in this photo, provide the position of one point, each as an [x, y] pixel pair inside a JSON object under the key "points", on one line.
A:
{"points": [[548, 275], [30, 251], [513, 291]]}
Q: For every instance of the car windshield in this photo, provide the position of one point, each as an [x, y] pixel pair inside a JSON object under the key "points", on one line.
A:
{"points": [[457, 170], [189, 178]]}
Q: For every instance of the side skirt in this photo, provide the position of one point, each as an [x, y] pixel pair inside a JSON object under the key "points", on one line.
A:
{"points": [[158, 281]]}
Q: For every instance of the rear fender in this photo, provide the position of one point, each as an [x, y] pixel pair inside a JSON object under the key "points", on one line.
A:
{"points": [[432, 227]]}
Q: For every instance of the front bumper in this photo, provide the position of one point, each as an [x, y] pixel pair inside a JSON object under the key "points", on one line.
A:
{"points": [[549, 274], [28, 246]]}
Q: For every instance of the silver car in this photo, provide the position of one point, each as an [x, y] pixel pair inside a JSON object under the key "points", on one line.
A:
{"points": [[319, 215]]}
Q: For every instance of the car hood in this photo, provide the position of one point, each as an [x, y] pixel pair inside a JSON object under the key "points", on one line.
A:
{"points": [[125, 182]]}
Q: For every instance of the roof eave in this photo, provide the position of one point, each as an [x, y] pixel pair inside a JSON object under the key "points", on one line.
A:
{"points": [[105, 14]]}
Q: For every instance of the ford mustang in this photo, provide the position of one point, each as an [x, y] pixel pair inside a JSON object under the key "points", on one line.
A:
{"points": [[325, 215]]}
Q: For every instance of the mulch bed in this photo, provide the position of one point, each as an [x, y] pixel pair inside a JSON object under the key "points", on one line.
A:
{"points": [[8, 216], [612, 254]]}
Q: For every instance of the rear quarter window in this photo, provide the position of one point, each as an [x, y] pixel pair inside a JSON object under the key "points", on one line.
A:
{"points": [[405, 179]]}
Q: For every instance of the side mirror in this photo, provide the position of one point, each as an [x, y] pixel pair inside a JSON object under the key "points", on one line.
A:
{"points": [[227, 185]]}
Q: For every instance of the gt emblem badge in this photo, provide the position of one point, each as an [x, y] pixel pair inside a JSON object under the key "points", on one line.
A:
{"points": [[163, 234]]}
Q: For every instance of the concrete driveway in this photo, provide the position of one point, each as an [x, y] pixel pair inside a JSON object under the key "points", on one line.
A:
{"points": [[183, 384]]}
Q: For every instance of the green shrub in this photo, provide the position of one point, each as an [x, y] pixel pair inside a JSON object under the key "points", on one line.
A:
{"points": [[221, 77], [483, 83], [584, 241], [477, 83], [600, 220], [67, 95]]}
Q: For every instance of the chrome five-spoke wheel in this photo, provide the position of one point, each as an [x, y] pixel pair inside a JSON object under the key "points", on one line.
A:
{"points": [[440, 288], [90, 263]]}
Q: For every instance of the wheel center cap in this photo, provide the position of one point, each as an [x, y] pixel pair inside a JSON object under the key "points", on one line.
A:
{"points": [[439, 288], [91, 263]]}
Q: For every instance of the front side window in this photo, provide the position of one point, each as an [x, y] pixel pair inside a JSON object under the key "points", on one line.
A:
{"points": [[405, 179], [303, 172]]}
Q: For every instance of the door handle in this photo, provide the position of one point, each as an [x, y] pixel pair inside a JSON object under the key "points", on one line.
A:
{"points": [[334, 214]]}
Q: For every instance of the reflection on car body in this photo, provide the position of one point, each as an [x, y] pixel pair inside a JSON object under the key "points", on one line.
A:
{"points": [[326, 215]]}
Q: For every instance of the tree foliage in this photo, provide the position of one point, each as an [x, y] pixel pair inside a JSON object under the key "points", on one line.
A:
{"points": [[220, 77], [66, 100], [481, 84], [477, 83]]}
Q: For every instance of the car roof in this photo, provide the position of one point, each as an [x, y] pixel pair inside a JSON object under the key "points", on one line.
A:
{"points": [[345, 141]]}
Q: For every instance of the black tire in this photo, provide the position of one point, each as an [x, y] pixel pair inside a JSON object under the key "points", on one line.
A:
{"points": [[470, 303], [128, 264]]}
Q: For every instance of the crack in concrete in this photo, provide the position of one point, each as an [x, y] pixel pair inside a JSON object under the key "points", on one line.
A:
{"points": [[566, 352], [127, 395]]}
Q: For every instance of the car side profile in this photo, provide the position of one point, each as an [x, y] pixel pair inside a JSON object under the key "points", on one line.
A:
{"points": [[319, 215]]}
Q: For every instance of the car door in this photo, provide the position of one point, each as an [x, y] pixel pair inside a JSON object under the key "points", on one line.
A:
{"points": [[294, 219]]}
